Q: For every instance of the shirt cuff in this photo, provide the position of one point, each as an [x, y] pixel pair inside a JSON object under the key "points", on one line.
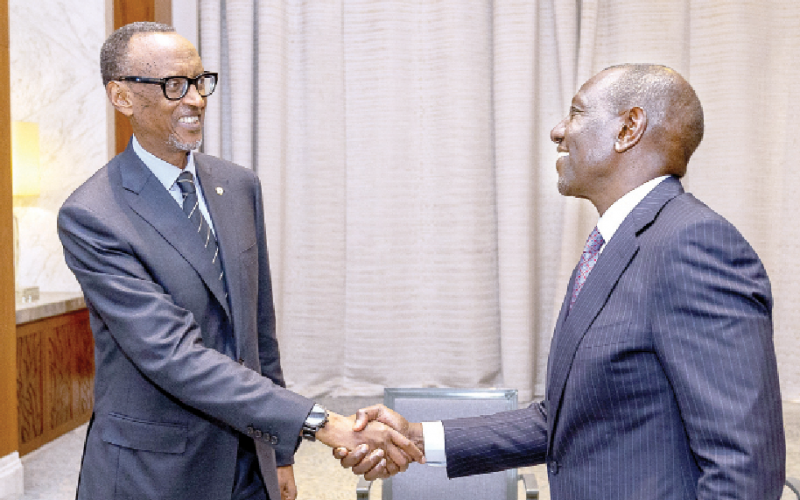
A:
{"points": [[433, 435]]}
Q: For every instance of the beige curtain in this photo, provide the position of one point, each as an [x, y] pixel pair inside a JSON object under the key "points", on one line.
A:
{"points": [[416, 234]]}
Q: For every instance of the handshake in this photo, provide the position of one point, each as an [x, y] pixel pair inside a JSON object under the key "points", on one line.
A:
{"points": [[376, 442]]}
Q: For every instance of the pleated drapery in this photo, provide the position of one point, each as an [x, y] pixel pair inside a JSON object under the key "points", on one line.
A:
{"points": [[416, 234]]}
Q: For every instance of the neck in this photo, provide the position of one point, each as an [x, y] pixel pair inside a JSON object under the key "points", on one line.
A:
{"points": [[176, 157], [166, 152]]}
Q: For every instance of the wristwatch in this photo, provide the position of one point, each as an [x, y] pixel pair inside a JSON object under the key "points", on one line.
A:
{"points": [[315, 421]]}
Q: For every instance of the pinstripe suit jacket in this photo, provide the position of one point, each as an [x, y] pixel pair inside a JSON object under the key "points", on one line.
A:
{"points": [[662, 380], [169, 407]]}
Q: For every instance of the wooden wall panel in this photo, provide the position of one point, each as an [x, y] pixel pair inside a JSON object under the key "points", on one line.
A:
{"points": [[56, 377], [8, 359], [163, 11], [29, 387], [59, 355], [83, 369], [129, 11]]}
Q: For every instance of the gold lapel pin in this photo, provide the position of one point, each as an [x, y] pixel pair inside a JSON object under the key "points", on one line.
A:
{"points": [[220, 191]]}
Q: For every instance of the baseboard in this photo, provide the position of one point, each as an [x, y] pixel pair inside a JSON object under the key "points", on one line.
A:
{"points": [[12, 477]]}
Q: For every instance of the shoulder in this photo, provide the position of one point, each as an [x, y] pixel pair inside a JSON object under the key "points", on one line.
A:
{"points": [[98, 190], [686, 230], [215, 172], [691, 240], [225, 168], [102, 196], [686, 224], [686, 215]]}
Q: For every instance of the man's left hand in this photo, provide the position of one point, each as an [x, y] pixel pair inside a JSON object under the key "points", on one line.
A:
{"points": [[286, 482]]}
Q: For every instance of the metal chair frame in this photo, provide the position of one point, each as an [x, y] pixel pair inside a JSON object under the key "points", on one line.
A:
{"points": [[390, 395], [794, 485]]}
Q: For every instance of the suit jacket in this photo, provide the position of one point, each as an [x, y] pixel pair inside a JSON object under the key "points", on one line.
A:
{"points": [[662, 380], [169, 406]]}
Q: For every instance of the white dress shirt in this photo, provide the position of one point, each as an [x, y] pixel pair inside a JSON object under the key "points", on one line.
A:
{"points": [[607, 225], [167, 174]]}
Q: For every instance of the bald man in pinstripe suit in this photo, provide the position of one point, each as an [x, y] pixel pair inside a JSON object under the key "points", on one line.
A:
{"points": [[662, 380]]}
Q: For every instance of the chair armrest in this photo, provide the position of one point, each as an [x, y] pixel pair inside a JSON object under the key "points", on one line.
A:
{"points": [[794, 485], [362, 489], [531, 486]]}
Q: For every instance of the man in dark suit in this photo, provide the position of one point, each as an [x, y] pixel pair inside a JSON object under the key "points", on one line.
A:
{"points": [[169, 248], [662, 380]]}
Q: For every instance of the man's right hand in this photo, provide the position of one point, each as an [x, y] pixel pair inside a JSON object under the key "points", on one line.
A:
{"points": [[389, 451], [371, 464]]}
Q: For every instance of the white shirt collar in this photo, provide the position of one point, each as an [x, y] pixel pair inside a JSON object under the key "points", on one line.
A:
{"points": [[165, 172], [619, 210]]}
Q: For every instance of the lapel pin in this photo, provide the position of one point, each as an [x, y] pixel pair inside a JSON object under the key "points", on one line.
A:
{"points": [[220, 191]]}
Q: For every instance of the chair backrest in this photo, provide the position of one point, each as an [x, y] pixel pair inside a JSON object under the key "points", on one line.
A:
{"points": [[422, 482]]}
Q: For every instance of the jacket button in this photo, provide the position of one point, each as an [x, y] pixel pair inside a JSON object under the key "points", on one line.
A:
{"points": [[274, 440], [553, 467], [250, 430], [257, 434], [241, 361]]}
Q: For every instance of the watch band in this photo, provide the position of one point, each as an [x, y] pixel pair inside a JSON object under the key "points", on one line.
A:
{"points": [[315, 421]]}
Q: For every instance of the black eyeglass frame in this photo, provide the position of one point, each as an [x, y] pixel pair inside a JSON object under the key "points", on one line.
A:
{"points": [[163, 82]]}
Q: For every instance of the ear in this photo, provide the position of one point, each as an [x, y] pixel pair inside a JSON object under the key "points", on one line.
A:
{"points": [[633, 127], [120, 97]]}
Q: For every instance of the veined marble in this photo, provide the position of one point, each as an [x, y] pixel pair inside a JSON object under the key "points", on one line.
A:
{"points": [[55, 82], [49, 304]]}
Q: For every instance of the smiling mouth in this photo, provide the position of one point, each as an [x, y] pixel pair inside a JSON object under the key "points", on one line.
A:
{"points": [[189, 120]]}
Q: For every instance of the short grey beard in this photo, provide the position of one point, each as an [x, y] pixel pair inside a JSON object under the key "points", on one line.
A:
{"points": [[562, 186], [184, 146]]}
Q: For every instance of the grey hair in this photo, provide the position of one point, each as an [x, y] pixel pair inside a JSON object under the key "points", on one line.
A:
{"points": [[672, 106], [114, 54]]}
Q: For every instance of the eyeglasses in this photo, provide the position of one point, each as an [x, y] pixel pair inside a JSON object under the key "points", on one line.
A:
{"points": [[176, 87]]}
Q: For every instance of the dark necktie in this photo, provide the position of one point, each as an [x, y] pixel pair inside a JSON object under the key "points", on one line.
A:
{"points": [[191, 207], [588, 260]]}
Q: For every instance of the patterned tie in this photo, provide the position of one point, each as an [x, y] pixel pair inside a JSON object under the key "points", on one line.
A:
{"points": [[191, 207], [588, 259]]}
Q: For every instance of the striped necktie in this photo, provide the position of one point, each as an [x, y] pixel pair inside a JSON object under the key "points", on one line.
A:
{"points": [[191, 207], [588, 259]]}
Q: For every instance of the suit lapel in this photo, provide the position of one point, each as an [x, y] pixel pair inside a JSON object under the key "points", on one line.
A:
{"points": [[611, 265], [148, 198], [562, 317], [219, 200]]}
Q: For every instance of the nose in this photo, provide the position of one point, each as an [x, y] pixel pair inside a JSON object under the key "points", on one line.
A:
{"points": [[193, 97], [557, 134]]}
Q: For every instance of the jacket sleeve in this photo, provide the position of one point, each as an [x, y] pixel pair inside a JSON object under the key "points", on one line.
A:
{"points": [[505, 440], [713, 332]]}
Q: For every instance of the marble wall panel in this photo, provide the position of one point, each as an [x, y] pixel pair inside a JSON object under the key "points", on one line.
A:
{"points": [[55, 82]]}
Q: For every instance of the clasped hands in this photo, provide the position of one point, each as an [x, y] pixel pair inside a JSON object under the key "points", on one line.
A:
{"points": [[376, 443]]}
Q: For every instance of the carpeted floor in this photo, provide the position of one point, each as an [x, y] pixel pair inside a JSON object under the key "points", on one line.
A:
{"points": [[51, 472]]}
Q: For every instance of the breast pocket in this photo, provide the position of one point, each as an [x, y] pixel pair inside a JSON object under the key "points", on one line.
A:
{"points": [[607, 333]]}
